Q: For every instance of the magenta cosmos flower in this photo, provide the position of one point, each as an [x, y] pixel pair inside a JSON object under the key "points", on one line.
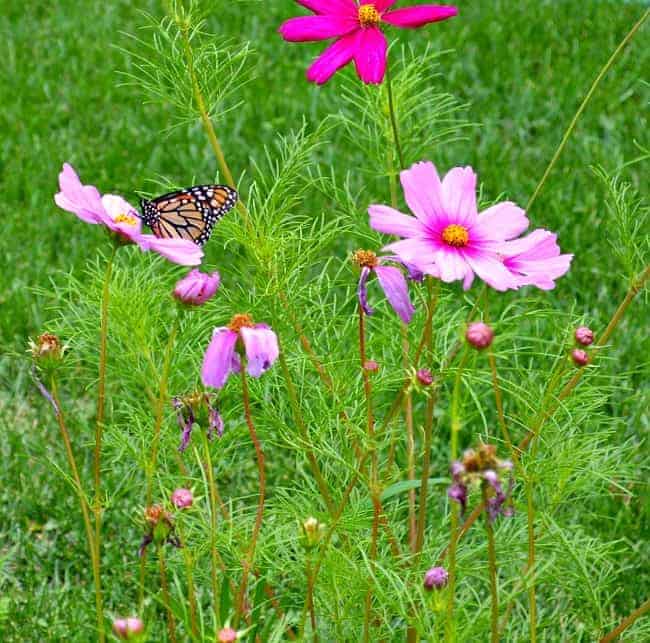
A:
{"points": [[221, 358], [358, 36], [197, 287], [390, 279], [449, 239], [119, 217]]}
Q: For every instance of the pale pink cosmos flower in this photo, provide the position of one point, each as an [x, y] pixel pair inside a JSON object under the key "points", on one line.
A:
{"points": [[358, 36], [221, 357], [449, 239], [197, 287], [119, 217]]}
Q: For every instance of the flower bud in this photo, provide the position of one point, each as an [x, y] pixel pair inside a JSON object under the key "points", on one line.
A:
{"points": [[579, 357], [435, 578], [424, 377], [182, 498], [128, 629], [584, 335], [371, 366], [197, 287], [479, 335], [47, 350], [313, 532], [227, 635]]}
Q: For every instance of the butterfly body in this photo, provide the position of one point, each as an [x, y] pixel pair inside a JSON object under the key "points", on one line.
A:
{"points": [[190, 213]]}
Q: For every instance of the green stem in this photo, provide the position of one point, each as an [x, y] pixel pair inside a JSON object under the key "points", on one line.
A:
{"points": [[583, 105], [101, 407], [164, 584], [453, 451], [393, 118], [189, 574], [250, 555], [626, 622], [492, 566], [214, 554], [85, 510], [310, 599]]}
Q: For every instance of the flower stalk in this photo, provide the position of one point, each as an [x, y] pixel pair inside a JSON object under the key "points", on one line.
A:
{"points": [[492, 566], [164, 584]]}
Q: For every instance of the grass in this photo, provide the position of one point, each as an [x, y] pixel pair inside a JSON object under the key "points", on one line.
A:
{"points": [[521, 68]]}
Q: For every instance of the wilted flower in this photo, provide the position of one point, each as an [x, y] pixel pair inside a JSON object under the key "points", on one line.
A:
{"points": [[479, 335], [424, 377], [358, 36], [128, 628], [182, 498], [390, 279], [47, 348], [197, 408], [159, 529], [481, 466], [197, 287], [435, 578], [313, 532], [120, 218], [449, 239], [584, 335], [222, 357], [227, 635], [580, 357]]}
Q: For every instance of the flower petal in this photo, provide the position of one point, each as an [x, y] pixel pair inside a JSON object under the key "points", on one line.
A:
{"points": [[451, 264], [500, 222], [381, 5], [396, 290], [362, 290], [417, 251], [459, 195], [82, 200], [423, 193], [330, 7], [120, 216], [390, 221], [218, 361], [490, 270], [337, 55], [419, 15], [180, 251], [307, 28], [262, 350], [370, 55]]}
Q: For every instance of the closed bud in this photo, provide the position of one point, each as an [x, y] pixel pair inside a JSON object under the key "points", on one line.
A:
{"points": [[128, 629], [435, 578], [584, 335], [479, 335], [579, 357], [227, 635], [371, 366], [424, 377], [313, 532], [182, 498]]}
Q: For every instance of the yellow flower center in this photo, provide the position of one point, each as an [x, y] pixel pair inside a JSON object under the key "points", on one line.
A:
{"points": [[368, 15], [455, 235], [365, 259], [240, 321], [129, 219]]}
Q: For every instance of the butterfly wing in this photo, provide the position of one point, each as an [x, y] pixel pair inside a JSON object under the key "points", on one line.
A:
{"points": [[188, 214]]}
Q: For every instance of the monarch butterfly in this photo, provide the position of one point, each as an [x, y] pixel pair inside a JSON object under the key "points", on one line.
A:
{"points": [[190, 213]]}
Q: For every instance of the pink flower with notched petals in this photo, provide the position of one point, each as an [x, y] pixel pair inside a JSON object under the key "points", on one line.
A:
{"points": [[358, 36], [197, 287], [221, 357], [449, 239], [119, 217]]}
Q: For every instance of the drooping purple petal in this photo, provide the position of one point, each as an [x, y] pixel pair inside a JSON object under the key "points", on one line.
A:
{"points": [[414, 273], [215, 423], [458, 493], [147, 539], [219, 359], [362, 290], [261, 345], [396, 290], [45, 393], [186, 426]]}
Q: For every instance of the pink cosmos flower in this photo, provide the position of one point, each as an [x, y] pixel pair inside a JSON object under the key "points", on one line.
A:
{"points": [[128, 628], [182, 498], [358, 36], [390, 279], [221, 357], [449, 239], [197, 287], [119, 217]]}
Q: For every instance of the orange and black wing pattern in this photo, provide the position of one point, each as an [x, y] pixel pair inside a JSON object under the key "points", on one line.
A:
{"points": [[190, 213]]}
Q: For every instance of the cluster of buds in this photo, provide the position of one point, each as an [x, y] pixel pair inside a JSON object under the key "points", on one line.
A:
{"points": [[197, 408], [159, 529], [128, 629], [584, 337], [481, 466], [313, 532]]}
